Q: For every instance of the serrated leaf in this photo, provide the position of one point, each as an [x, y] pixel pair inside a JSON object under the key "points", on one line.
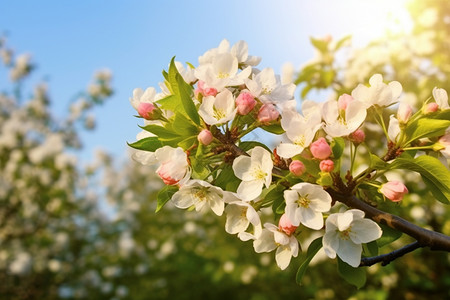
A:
{"points": [[426, 128], [435, 175], [378, 163], [338, 146], [161, 132], [147, 144], [164, 195], [313, 248], [354, 276]]}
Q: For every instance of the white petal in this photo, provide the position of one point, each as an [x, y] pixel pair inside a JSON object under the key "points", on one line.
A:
{"points": [[365, 231], [183, 199], [330, 244], [283, 256], [249, 190], [350, 252], [265, 242], [242, 166], [311, 219], [288, 150], [235, 222]]}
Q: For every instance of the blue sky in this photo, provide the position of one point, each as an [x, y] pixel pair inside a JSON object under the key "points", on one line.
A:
{"points": [[69, 40]]}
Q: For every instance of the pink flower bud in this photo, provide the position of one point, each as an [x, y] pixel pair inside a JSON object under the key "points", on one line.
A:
{"points": [[285, 225], [320, 149], [146, 110], [205, 137], [268, 113], [358, 136], [394, 190], [245, 102], [204, 90], [297, 168], [165, 173], [404, 112], [344, 100], [326, 165], [430, 108]]}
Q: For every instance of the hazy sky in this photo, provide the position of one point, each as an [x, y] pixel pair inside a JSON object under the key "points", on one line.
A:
{"points": [[69, 40]]}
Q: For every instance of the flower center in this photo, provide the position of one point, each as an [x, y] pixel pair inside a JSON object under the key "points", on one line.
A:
{"points": [[244, 212], [345, 235], [303, 201], [201, 193], [223, 75], [300, 140], [259, 174], [266, 90], [219, 114]]}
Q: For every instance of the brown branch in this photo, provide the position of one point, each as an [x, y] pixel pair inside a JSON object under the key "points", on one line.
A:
{"points": [[425, 238], [385, 259]]}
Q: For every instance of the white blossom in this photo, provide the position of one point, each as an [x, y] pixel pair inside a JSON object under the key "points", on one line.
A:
{"points": [[378, 93]]}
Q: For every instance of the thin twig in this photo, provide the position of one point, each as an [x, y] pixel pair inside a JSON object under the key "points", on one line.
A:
{"points": [[385, 259]]}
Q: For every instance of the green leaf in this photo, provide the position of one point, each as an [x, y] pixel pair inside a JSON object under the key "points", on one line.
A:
{"points": [[226, 179], [342, 42], [354, 276], [147, 144], [378, 163], [338, 146], [273, 128], [313, 248], [425, 128], [319, 44], [164, 195], [370, 249], [306, 90], [246, 146], [171, 103], [389, 235], [161, 132], [183, 91], [435, 175], [183, 126]]}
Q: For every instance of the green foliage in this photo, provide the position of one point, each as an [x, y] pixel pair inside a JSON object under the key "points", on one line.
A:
{"points": [[313, 248], [164, 195], [354, 276]]}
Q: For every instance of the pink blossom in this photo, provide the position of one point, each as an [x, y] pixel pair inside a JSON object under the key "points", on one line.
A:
{"points": [[297, 168], [147, 110], [245, 102], [320, 149], [394, 190], [344, 100], [358, 136], [268, 113], [204, 90], [430, 108], [326, 165], [205, 137], [404, 112], [286, 225]]}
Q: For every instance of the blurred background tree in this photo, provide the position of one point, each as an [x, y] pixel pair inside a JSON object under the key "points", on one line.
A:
{"points": [[69, 231]]}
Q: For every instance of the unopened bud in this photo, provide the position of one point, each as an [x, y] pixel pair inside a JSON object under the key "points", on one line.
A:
{"points": [[326, 165], [147, 110], [297, 168], [286, 226], [205, 137], [430, 108], [404, 112], [320, 149], [358, 136], [268, 113], [245, 102]]}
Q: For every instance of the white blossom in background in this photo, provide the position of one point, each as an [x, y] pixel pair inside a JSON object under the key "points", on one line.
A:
{"points": [[346, 232], [393, 129], [273, 238], [379, 93], [305, 203], [21, 68], [254, 171], [240, 215]]}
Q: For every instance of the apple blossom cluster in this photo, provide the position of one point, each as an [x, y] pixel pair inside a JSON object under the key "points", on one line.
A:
{"points": [[196, 133]]}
